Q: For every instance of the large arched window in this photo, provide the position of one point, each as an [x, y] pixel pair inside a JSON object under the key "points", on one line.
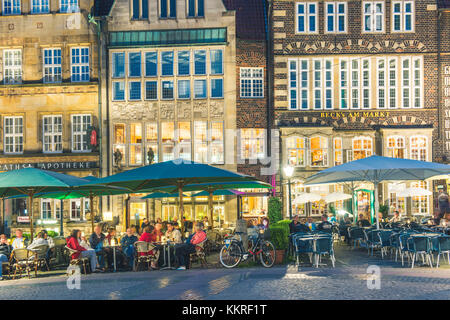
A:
{"points": [[296, 150], [319, 151], [419, 147], [396, 147], [361, 147]]}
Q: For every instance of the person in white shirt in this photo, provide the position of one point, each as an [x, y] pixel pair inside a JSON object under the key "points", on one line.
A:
{"points": [[38, 241], [84, 243], [173, 234], [19, 241]]}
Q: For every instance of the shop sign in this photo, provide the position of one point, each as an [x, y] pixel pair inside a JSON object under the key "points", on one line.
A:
{"points": [[355, 114], [23, 219], [446, 89], [72, 165]]}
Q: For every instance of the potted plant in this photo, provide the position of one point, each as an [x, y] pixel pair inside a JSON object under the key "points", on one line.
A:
{"points": [[279, 236], [383, 209], [275, 210]]}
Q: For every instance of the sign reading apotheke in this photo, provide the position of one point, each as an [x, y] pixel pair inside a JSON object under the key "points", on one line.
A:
{"points": [[355, 114], [72, 165]]}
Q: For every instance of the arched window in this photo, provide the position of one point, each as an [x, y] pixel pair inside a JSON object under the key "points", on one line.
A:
{"points": [[396, 147], [295, 149], [419, 148], [319, 151], [361, 147]]}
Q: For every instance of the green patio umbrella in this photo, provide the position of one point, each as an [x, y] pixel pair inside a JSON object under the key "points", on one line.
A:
{"points": [[176, 173], [157, 195]]}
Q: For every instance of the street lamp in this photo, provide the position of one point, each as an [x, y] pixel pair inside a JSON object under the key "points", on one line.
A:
{"points": [[288, 172]]}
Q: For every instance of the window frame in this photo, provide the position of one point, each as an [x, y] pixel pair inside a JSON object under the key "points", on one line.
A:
{"points": [[52, 134], [40, 5], [392, 150], [82, 133], [403, 14], [297, 150], [14, 135], [80, 64], [373, 16], [335, 16], [13, 13], [52, 66], [243, 71], [307, 15], [17, 70]]}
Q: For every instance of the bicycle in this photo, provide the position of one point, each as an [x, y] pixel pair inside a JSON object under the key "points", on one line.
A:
{"points": [[233, 252]]}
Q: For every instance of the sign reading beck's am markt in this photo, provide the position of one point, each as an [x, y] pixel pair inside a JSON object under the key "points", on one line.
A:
{"points": [[72, 165], [355, 114]]}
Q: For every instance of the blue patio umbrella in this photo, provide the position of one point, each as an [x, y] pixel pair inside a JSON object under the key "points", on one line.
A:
{"points": [[219, 193], [376, 169], [158, 195]]}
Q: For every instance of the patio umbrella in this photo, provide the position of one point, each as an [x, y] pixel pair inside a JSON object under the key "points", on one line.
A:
{"points": [[157, 195], [306, 197], [337, 196], [176, 173], [31, 181], [412, 192], [376, 169]]}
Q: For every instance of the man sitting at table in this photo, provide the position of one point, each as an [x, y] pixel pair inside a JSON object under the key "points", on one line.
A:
{"points": [[325, 225], [96, 242], [297, 226], [396, 217], [5, 252], [127, 245], [173, 234], [19, 241], [182, 251], [363, 222]]}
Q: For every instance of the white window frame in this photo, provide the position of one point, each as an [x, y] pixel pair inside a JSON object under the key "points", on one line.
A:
{"points": [[52, 134], [14, 66], [80, 134], [335, 15], [40, 5], [81, 210], [253, 76], [14, 136], [362, 138], [420, 199], [293, 83], [325, 151], [256, 142], [335, 150], [373, 17], [53, 74], [355, 84], [411, 148], [390, 150], [19, 6], [403, 14], [307, 16], [80, 64], [214, 143], [72, 6], [297, 150]]}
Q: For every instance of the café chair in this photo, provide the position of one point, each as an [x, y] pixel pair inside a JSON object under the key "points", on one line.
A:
{"points": [[200, 254], [77, 261], [22, 256]]}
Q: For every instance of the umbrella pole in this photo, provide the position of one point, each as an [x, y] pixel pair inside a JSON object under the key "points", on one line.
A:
{"points": [[91, 202], [375, 184], [181, 214], [31, 217], [61, 217], [211, 208]]}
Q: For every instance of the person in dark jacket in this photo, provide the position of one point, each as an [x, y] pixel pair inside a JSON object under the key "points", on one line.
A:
{"points": [[297, 226], [325, 225], [145, 223], [5, 252], [363, 222], [96, 241]]}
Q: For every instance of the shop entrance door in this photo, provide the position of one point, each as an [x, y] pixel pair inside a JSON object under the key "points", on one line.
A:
{"points": [[365, 204]]}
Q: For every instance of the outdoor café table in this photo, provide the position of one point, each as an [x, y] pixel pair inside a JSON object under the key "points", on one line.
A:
{"points": [[113, 248], [313, 239], [166, 250]]}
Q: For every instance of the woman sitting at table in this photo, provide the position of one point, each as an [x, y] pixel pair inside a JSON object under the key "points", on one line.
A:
{"points": [[150, 236], [72, 243]]}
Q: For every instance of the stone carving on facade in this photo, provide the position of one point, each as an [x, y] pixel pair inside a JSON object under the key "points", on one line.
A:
{"points": [[167, 111], [216, 109], [200, 109], [134, 111], [184, 109], [360, 44]]}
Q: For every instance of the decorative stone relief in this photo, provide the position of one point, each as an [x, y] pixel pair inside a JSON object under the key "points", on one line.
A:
{"points": [[134, 111], [200, 109], [217, 109], [167, 111], [184, 109]]}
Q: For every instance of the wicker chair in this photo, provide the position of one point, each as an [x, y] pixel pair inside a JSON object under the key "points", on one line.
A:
{"points": [[40, 256], [142, 254], [200, 254], [77, 261], [21, 258]]}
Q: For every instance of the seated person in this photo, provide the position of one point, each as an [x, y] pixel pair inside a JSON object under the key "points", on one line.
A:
{"points": [[96, 241], [38, 241], [84, 242], [19, 241], [297, 226], [363, 222], [311, 224], [120, 257], [332, 218], [172, 234], [396, 217], [5, 252], [157, 233], [127, 246], [183, 251], [150, 236], [325, 225], [72, 243]]}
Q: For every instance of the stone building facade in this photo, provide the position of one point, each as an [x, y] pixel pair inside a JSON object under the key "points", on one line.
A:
{"points": [[353, 79], [48, 101]]}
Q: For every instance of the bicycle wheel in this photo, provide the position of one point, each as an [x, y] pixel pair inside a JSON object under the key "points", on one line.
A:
{"points": [[267, 254], [232, 256]]}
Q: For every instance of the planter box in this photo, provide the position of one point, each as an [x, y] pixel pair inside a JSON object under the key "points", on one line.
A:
{"points": [[279, 256]]}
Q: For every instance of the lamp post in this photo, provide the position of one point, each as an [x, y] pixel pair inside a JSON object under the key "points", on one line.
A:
{"points": [[288, 171]]}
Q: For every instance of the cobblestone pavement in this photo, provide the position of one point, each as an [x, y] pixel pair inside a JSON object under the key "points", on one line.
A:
{"points": [[347, 281]]}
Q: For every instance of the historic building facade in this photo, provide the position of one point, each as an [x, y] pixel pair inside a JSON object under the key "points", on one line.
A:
{"points": [[48, 101], [354, 79]]}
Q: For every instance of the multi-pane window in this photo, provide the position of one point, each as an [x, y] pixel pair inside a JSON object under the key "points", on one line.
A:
{"points": [[184, 63], [52, 65], [419, 148], [200, 62], [216, 146], [118, 61], [200, 89], [184, 140], [140, 9], [11, 7], [216, 61], [119, 140], [40, 6], [387, 83], [252, 143], [151, 64], [135, 146], [134, 90], [307, 17], [217, 88], [12, 66], [201, 141], [402, 16], [168, 8], [50, 209], [118, 90], [252, 82], [396, 147], [151, 141], [134, 64], [420, 203], [184, 89], [319, 151], [322, 84], [167, 89], [80, 64], [75, 210], [80, 126], [411, 75], [151, 90], [167, 140], [361, 148], [396, 202], [296, 151], [195, 8], [167, 63], [336, 17], [68, 6], [355, 83], [13, 135], [298, 84], [52, 134], [373, 15], [338, 153]]}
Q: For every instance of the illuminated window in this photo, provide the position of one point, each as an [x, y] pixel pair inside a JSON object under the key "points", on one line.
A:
{"points": [[338, 156], [252, 143], [119, 140], [135, 148], [184, 140], [419, 147], [151, 141], [420, 203], [395, 202], [296, 151], [167, 140], [319, 152], [396, 147], [217, 143], [361, 147], [200, 141]]}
